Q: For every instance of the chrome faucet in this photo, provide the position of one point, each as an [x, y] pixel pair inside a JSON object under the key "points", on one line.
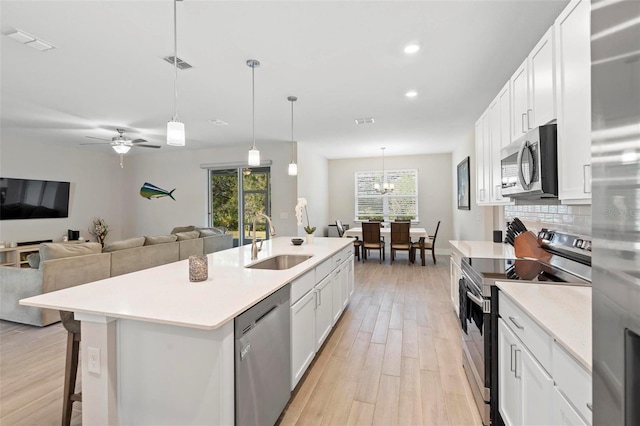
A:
{"points": [[272, 231]]}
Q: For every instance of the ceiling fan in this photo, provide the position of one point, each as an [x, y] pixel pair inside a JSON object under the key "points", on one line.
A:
{"points": [[121, 143]]}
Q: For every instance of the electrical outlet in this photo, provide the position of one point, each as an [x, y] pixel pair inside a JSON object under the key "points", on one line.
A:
{"points": [[94, 360], [284, 215]]}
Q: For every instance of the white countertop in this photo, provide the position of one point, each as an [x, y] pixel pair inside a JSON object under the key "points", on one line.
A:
{"points": [[165, 295], [486, 249], [564, 311]]}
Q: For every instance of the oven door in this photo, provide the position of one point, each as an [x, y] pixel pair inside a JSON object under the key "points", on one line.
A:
{"points": [[475, 345]]}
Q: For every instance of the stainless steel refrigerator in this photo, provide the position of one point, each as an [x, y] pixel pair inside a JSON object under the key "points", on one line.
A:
{"points": [[615, 106]]}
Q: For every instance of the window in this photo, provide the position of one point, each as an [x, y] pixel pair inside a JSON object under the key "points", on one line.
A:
{"points": [[401, 204]]}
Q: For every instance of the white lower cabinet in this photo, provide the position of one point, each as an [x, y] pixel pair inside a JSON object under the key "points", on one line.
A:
{"points": [[315, 309], [563, 412], [525, 387], [324, 309], [548, 388], [303, 341], [456, 273]]}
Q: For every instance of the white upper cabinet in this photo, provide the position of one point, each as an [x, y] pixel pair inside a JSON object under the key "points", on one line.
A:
{"points": [[500, 122], [483, 160], [573, 73], [533, 89]]}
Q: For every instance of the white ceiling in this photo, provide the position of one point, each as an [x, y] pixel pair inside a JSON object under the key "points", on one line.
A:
{"points": [[342, 59]]}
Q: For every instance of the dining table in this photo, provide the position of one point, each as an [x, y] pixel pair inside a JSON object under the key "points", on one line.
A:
{"points": [[420, 233]]}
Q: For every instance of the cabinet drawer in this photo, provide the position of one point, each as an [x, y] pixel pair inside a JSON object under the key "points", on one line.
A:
{"points": [[531, 334], [341, 256], [573, 381], [301, 286], [324, 269]]}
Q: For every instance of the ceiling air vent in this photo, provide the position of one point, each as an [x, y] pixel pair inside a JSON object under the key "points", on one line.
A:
{"points": [[182, 65], [365, 121]]}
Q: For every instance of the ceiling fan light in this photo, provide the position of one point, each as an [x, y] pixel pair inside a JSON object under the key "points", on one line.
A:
{"points": [[254, 157], [293, 169], [121, 149], [175, 133]]}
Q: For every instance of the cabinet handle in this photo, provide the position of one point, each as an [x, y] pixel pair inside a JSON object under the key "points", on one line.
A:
{"points": [[523, 116], [516, 370], [513, 320], [590, 406], [511, 367], [586, 188], [319, 297], [482, 194], [529, 119], [315, 299], [498, 192]]}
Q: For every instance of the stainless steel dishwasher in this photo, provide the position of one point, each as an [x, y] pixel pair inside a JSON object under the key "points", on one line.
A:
{"points": [[263, 360]]}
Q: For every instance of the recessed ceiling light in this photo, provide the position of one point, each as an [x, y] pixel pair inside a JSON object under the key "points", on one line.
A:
{"points": [[412, 48], [218, 122], [39, 45], [365, 121], [19, 36], [411, 94], [29, 40]]}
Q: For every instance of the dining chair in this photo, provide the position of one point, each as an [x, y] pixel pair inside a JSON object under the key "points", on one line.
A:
{"points": [[428, 245], [400, 239], [357, 243], [371, 239]]}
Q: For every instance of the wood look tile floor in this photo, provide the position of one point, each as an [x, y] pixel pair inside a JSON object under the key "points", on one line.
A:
{"points": [[393, 358]]}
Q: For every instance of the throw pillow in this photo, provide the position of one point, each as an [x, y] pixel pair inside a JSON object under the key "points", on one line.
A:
{"points": [[50, 251], [187, 235], [34, 260], [124, 244], [182, 229], [160, 239], [208, 232]]}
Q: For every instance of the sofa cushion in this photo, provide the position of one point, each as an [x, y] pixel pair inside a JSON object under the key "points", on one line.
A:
{"points": [[207, 232], [124, 244], [183, 229], [159, 239], [187, 235], [34, 260], [50, 251]]}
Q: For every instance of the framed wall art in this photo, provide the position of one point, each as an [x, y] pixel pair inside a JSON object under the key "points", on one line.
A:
{"points": [[464, 183]]}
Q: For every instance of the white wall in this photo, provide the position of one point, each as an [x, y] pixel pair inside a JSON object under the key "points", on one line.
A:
{"points": [[95, 188], [181, 170], [313, 184], [434, 186], [477, 223]]}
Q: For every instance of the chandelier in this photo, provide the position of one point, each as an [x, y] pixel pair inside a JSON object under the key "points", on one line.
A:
{"points": [[386, 186]]}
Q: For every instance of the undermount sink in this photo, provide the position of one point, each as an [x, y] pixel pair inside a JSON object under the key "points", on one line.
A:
{"points": [[280, 262]]}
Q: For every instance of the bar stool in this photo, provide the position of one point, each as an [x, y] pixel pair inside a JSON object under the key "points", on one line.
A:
{"points": [[71, 366]]}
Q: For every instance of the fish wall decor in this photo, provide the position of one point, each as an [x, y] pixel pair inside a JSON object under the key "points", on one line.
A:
{"points": [[150, 191]]}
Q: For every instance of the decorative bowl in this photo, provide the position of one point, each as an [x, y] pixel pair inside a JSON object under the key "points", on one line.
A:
{"points": [[297, 241]]}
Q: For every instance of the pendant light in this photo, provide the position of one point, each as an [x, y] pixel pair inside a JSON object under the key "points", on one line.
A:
{"points": [[386, 187], [175, 128], [254, 154], [293, 167]]}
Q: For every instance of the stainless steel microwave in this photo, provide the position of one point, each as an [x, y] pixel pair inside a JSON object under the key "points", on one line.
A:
{"points": [[530, 165]]}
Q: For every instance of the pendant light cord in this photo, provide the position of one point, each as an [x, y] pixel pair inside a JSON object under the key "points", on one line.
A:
{"points": [[292, 142], [253, 102], [175, 60]]}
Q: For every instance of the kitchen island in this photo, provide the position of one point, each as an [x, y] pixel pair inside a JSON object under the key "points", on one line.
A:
{"points": [[159, 349]]}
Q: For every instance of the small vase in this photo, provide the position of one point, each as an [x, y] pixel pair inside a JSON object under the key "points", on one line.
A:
{"points": [[198, 267], [309, 238]]}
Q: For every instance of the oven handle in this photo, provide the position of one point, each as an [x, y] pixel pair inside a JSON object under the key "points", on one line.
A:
{"points": [[475, 299]]}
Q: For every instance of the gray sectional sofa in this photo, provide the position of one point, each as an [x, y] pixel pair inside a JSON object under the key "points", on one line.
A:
{"points": [[63, 265]]}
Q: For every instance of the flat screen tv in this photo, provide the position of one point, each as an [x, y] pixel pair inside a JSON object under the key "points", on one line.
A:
{"points": [[33, 199]]}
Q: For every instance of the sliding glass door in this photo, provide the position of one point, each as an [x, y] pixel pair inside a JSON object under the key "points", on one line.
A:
{"points": [[236, 196]]}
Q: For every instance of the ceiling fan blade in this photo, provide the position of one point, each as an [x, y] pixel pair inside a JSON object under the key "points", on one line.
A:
{"points": [[96, 143], [147, 146], [100, 139], [139, 141]]}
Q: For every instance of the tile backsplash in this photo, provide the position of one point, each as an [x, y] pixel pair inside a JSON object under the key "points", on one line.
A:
{"points": [[571, 219]]}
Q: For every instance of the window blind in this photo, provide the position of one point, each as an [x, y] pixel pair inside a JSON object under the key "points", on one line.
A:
{"points": [[402, 203]]}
